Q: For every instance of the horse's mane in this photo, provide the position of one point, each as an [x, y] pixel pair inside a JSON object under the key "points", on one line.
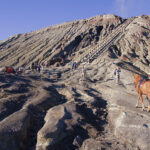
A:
{"points": [[143, 77]]}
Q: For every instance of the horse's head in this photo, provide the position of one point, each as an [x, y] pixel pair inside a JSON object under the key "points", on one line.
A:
{"points": [[136, 78]]}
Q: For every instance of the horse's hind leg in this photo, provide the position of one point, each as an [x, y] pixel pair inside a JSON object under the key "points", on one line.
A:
{"points": [[143, 107], [137, 104]]}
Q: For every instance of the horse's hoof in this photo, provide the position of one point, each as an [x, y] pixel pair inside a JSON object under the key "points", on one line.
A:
{"points": [[143, 109], [136, 106], [148, 110]]}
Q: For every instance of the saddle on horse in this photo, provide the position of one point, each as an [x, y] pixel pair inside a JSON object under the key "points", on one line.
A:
{"points": [[142, 81]]}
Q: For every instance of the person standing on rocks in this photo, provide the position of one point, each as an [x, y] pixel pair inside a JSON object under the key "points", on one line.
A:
{"points": [[75, 65], [32, 66], [117, 75], [39, 68], [83, 73], [42, 66], [72, 65], [21, 69]]}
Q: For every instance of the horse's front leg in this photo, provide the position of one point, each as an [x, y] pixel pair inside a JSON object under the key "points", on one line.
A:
{"points": [[148, 98], [143, 107]]}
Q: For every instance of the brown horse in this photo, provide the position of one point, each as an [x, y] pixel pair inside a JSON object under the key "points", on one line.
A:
{"points": [[142, 88]]}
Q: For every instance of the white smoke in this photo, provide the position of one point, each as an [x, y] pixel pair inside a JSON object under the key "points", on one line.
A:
{"points": [[122, 7]]}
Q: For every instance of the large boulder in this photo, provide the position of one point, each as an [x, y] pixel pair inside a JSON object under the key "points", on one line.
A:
{"points": [[133, 127], [91, 144], [59, 123], [14, 131]]}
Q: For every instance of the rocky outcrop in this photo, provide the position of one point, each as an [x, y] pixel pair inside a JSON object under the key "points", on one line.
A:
{"points": [[22, 107], [14, 131], [134, 46], [60, 124]]}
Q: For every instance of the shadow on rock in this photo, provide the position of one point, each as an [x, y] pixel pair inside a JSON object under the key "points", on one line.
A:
{"points": [[18, 88], [53, 91], [75, 92], [130, 67], [13, 105], [8, 78], [90, 117]]}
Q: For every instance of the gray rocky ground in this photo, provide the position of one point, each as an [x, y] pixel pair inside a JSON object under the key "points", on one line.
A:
{"points": [[49, 110]]}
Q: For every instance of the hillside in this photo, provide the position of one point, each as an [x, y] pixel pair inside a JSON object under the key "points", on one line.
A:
{"points": [[61, 40], [50, 109]]}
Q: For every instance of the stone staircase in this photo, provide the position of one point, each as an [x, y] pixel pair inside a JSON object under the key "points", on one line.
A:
{"points": [[103, 46]]}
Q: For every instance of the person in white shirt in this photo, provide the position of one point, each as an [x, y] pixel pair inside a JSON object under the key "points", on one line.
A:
{"points": [[117, 74], [83, 73]]}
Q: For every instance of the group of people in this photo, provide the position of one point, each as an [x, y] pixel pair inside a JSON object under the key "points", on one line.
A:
{"points": [[34, 67], [38, 67], [74, 65], [14, 71], [117, 72]]}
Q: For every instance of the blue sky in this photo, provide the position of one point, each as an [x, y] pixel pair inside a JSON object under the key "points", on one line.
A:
{"points": [[21, 16]]}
